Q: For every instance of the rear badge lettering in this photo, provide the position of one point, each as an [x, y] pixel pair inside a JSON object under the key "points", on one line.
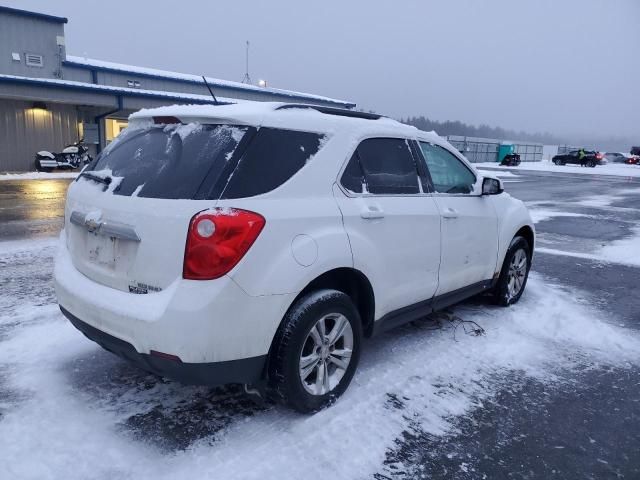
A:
{"points": [[143, 288]]}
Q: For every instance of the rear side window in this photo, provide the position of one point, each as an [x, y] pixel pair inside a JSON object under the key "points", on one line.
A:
{"points": [[448, 173], [272, 158], [168, 161], [382, 166]]}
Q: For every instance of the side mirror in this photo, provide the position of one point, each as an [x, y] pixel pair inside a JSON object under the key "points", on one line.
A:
{"points": [[491, 186]]}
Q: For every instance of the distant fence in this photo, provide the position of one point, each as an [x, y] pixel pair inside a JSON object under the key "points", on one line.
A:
{"points": [[479, 150], [566, 148]]}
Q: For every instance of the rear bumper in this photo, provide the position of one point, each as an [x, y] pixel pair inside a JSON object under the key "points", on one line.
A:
{"points": [[246, 370], [201, 322]]}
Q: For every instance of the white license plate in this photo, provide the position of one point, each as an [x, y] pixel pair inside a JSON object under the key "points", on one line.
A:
{"points": [[101, 250]]}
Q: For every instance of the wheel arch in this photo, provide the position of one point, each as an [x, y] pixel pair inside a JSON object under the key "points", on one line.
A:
{"points": [[528, 234], [351, 282]]}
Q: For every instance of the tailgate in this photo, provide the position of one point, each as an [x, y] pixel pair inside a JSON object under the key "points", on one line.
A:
{"points": [[129, 243]]}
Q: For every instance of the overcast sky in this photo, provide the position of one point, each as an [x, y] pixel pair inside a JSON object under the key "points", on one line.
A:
{"points": [[570, 67]]}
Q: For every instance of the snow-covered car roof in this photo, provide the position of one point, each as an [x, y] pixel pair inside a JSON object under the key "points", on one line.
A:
{"points": [[285, 115]]}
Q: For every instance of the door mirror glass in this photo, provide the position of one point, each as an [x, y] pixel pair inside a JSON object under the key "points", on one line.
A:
{"points": [[491, 186]]}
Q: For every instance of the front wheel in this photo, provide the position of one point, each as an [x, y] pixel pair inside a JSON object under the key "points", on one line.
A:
{"points": [[316, 351], [514, 273]]}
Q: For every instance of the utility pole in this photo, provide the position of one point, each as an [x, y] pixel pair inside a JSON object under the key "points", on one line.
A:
{"points": [[247, 78]]}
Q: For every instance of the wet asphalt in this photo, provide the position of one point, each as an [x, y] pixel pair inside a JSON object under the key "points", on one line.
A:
{"points": [[586, 426]]}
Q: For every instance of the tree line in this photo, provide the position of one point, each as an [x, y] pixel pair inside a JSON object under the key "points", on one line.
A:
{"points": [[603, 143], [484, 131]]}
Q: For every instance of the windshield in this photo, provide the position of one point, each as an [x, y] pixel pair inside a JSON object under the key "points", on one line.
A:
{"points": [[168, 161]]}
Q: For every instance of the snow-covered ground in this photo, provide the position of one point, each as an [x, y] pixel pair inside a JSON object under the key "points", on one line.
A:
{"points": [[624, 251], [618, 169], [70, 410], [38, 175]]}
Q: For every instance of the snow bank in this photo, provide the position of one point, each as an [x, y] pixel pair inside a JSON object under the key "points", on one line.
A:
{"points": [[502, 174], [38, 175], [617, 169], [625, 250]]}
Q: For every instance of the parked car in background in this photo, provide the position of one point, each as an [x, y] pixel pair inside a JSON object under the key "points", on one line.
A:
{"points": [[259, 244], [592, 158], [511, 160], [617, 157]]}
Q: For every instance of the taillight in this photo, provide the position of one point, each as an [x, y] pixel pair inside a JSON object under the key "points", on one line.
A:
{"points": [[599, 156], [217, 240]]}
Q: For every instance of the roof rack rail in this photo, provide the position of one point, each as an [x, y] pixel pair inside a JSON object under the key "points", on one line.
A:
{"points": [[332, 111]]}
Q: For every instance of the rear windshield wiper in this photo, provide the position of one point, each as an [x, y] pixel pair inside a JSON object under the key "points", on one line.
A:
{"points": [[106, 181]]}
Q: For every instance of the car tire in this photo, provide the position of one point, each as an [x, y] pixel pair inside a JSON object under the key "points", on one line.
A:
{"points": [[304, 371], [514, 274], [591, 164]]}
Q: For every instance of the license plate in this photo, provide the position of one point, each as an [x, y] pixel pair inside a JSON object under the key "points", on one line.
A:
{"points": [[101, 250]]}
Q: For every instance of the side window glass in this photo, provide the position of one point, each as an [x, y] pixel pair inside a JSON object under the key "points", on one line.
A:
{"points": [[272, 158], [388, 166], [448, 173], [353, 177]]}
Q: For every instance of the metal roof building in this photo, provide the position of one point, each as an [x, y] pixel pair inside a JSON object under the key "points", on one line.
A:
{"points": [[49, 99]]}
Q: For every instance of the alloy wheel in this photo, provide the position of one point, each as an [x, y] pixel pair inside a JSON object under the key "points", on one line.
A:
{"points": [[517, 273], [326, 354]]}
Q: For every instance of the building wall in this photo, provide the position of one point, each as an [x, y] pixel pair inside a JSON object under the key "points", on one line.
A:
{"points": [[76, 74], [23, 35], [25, 130]]}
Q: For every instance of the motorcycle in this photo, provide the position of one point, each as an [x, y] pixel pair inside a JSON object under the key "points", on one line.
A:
{"points": [[72, 156]]}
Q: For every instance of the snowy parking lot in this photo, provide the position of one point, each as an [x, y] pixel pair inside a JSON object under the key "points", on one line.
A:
{"points": [[548, 388]]}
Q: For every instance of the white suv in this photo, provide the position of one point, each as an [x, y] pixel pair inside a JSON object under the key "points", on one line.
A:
{"points": [[259, 243]]}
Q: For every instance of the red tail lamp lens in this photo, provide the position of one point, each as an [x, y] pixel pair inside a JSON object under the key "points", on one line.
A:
{"points": [[217, 241]]}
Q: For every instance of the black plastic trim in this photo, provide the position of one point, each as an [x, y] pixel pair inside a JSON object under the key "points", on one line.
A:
{"points": [[246, 370], [421, 309], [343, 112]]}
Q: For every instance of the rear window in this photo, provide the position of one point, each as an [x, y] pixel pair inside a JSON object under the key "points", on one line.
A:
{"points": [[169, 161], [196, 161]]}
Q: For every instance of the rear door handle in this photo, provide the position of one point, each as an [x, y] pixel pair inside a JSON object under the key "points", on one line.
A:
{"points": [[450, 213], [371, 212]]}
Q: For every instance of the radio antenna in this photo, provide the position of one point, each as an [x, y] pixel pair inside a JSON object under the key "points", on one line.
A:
{"points": [[215, 100], [246, 78]]}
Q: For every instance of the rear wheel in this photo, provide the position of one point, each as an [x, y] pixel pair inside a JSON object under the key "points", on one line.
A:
{"points": [[591, 163], [514, 273], [316, 351]]}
